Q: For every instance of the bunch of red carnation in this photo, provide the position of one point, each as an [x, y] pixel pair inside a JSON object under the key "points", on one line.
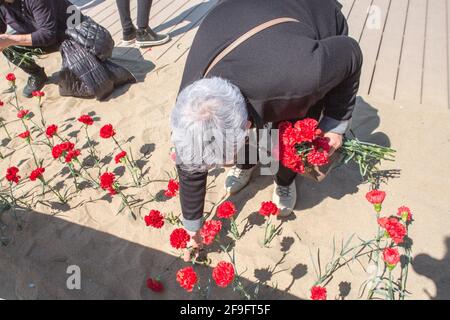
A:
{"points": [[302, 144]]}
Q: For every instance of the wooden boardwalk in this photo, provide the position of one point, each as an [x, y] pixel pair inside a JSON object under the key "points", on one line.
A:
{"points": [[405, 42]]}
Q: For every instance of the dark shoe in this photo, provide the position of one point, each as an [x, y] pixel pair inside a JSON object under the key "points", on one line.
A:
{"points": [[35, 83], [147, 37], [129, 36]]}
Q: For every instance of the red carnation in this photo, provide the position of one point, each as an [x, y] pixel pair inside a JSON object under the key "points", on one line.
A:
{"points": [[179, 238], [291, 160], [226, 210], [23, 114], [307, 129], [318, 158], [210, 230], [72, 154], [318, 293], [394, 228], [38, 93], [172, 188], [154, 219], [25, 135], [155, 285], [223, 274], [107, 131], [269, 208], [51, 130], [11, 77], [86, 119], [187, 278], [118, 158], [1, 103], [59, 149], [391, 257], [376, 197], [322, 144], [11, 174], [404, 213], [36, 174], [107, 181]]}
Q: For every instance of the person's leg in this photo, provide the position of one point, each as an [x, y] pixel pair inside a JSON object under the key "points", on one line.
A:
{"points": [[124, 12], [23, 58], [143, 13], [145, 35], [128, 29]]}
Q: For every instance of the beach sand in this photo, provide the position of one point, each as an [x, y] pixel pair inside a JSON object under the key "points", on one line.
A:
{"points": [[116, 254]]}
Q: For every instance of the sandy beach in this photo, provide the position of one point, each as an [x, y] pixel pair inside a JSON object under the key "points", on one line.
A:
{"points": [[116, 253]]}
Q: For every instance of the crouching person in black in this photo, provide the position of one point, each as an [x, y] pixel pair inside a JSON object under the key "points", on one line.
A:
{"points": [[39, 28], [252, 63]]}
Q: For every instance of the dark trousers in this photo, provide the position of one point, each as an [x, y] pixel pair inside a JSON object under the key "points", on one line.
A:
{"points": [[143, 13], [23, 57]]}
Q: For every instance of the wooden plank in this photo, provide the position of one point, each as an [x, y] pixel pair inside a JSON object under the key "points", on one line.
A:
{"points": [[448, 52], [188, 27], [409, 83], [435, 65], [384, 78], [346, 6], [358, 17], [371, 41]]}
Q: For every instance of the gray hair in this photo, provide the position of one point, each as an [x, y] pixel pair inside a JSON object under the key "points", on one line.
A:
{"points": [[209, 124]]}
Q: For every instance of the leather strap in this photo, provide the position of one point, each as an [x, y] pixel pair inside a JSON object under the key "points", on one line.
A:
{"points": [[245, 37]]}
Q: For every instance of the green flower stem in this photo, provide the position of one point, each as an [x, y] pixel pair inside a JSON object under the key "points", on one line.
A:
{"points": [[91, 146], [56, 193], [234, 229], [91, 179], [128, 163]]}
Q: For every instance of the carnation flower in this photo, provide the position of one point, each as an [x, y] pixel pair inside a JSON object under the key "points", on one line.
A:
{"points": [[210, 230], [25, 135], [318, 293], [23, 114], [291, 160], [86, 119], [38, 93], [36, 174], [72, 154], [107, 182], [155, 285], [268, 208], [11, 77], [172, 188], [223, 274], [322, 144], [318, 158], [51, 130], [59, 149], [391, 257], [154, 219], [179, 238], [1, 103], [11, 175], [107, 131], [394, 229], [307, 129], [376, 197], [404, 213], [226, 210], [187, 278], [121, 156]]}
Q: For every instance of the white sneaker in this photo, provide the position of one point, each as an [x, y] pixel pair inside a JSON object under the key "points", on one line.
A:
{"points": [[237, 179], [285, 198]]}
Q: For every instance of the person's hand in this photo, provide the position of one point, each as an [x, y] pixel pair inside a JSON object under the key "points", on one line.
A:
{"points": [[335, 140], [5, 42]]}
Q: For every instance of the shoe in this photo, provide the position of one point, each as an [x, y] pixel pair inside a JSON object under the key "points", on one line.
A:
{"points": [[147, 37], [237, 179], [35, 82], [285, 198], [129, 36]]}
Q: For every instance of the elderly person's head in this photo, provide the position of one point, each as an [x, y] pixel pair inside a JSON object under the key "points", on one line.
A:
{"points": [[209, 124]]}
